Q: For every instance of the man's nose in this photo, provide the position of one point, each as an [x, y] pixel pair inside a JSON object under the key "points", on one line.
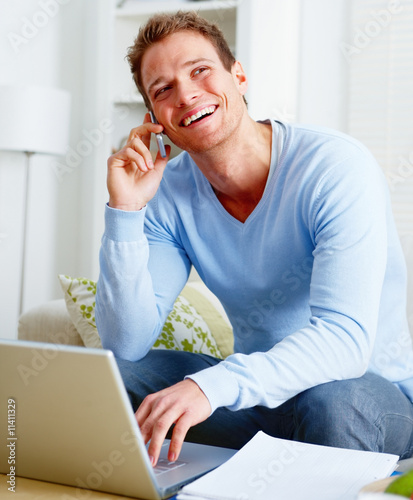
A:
{"points": [[186, 92]]}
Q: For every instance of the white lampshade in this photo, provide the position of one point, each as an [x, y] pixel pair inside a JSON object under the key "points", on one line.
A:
{"points": [[34, 119]]}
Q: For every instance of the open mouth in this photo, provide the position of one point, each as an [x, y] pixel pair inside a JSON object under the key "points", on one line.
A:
{"points": [[209, 110]]}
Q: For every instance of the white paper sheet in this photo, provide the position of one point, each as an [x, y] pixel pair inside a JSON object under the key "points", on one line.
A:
{"points": [[270, 468]]}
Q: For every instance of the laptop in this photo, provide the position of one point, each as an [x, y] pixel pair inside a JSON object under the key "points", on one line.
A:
{"points": [[65, 417]]}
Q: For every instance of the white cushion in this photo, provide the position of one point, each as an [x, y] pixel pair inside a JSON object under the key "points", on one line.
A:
{"points": [[49, 322]]}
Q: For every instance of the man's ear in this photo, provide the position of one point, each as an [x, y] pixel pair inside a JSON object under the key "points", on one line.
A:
{"points": [[240, 78]]}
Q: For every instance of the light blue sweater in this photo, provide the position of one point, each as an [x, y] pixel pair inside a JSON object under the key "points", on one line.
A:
{"points": [[314, 281]]}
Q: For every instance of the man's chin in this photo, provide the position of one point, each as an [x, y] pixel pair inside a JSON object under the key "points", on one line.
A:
{"points": [[197, 145]]}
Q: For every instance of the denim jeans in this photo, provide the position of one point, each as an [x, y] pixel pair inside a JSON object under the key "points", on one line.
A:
{"points": [[367, 413]]}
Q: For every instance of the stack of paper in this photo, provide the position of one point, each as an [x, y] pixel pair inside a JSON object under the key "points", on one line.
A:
{"points": [[269, 468]]}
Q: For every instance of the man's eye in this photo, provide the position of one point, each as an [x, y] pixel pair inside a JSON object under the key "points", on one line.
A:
{"points": [[161, 91], [198, 71]]}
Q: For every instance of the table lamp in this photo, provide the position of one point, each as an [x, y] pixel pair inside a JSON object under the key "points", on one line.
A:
{"points": [[33, 120]]}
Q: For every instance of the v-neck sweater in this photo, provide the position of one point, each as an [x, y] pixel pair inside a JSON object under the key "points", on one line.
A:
{"points": [[313, 282]]}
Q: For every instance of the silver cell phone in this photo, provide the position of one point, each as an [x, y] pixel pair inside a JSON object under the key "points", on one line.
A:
{"points": [[159, 138]]}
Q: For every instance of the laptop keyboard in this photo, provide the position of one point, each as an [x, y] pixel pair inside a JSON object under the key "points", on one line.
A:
{"points": [[164, 465]]}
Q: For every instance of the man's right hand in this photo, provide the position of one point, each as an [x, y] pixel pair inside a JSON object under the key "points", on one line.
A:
{"points": [[133, 178]]}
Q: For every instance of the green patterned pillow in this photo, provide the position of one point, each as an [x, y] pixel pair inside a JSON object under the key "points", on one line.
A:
{"points": [[197, 322], [80, 303]]}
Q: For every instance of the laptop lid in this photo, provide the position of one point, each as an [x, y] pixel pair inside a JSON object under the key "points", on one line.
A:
{"points": [[66, 418]]}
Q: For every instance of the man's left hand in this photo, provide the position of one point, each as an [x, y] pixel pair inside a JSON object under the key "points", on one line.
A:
{"points": [[183, 404]]}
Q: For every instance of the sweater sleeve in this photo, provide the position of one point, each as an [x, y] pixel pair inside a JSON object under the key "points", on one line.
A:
{"points": [[138, 283], [347, 223]]}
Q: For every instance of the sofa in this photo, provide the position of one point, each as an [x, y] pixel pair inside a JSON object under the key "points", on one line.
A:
{"points": [[197, 322]]}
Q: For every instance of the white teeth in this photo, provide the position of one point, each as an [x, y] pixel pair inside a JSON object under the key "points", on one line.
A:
{"points": [[205, 111]]}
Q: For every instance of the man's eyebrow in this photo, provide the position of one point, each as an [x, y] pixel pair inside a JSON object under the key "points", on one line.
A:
{"points": [[186, 64]]}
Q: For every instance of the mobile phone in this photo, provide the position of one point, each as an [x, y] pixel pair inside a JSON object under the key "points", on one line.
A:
{"points": [[159, 138]]}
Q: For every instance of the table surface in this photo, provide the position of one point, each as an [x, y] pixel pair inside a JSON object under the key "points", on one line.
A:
{"points": [[31, 489]]}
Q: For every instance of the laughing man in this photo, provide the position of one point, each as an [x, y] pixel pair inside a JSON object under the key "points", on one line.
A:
{"points": [[245, 203]]}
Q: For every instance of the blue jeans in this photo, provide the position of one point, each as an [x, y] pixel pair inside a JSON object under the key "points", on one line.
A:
{"points": [[367, 413]]}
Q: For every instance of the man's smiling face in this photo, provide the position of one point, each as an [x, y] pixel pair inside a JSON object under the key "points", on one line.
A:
{"points": [[193, 96]]}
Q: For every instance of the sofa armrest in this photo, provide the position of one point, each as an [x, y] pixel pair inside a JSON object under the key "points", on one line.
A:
{"points": [[49, 322]]}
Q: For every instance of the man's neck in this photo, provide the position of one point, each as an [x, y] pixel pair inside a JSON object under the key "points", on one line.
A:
{"points": [[238, 170]]}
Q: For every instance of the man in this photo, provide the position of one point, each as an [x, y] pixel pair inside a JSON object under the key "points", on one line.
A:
{"points": [[291, 228]]}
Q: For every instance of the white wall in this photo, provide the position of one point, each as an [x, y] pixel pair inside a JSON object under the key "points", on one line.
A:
{"points": [[270, 57], [41, 43], [323, 73], [298, 65]]}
